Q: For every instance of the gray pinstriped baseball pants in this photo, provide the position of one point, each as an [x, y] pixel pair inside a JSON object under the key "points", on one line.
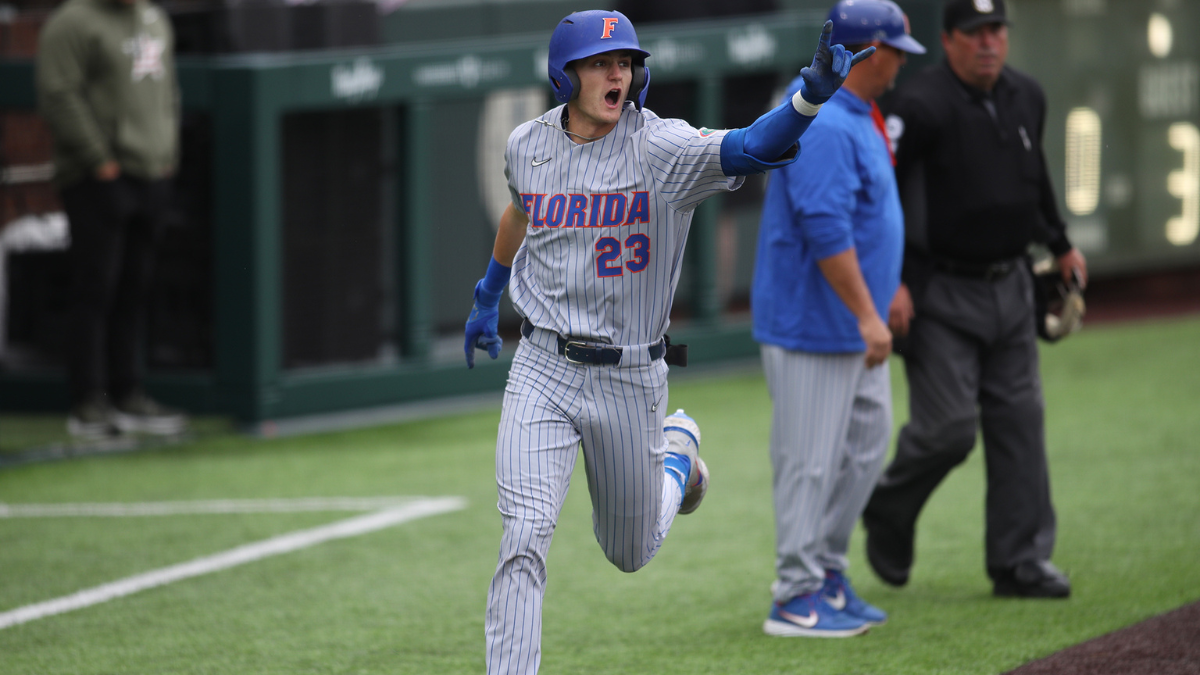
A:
{"points": [[551, 409], [830, 426]]}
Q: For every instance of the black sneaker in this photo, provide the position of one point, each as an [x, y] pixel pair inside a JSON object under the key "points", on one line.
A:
{"points": [[92, 420], [1038, 579], [138, 412]]}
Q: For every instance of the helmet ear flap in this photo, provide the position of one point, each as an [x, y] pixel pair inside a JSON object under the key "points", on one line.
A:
{"points": [[637, 87], [573, 78]]}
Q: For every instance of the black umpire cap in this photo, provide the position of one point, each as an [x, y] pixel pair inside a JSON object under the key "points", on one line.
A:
{"points": [[967, 15]]}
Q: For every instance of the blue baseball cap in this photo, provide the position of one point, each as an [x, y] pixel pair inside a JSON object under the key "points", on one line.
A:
{"points": [[858, 22]]}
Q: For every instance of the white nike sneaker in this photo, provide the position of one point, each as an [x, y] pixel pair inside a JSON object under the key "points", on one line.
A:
{"points": [[683, 438]]}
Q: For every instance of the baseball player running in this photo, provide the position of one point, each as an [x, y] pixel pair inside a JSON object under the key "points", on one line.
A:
{"points": [[603, 192]]}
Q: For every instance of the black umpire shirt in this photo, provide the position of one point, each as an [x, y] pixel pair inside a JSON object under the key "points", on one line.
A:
{"points": [[970, 169]]}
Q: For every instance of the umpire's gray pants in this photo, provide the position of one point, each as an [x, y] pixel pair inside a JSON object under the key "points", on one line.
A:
{"points": [[830, 424], [972, 358]]}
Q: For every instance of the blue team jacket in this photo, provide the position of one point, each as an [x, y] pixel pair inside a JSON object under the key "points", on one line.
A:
{"points": [[841, 193]]}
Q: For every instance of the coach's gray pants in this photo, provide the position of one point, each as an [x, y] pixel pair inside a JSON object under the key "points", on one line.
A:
{"points": [[831, 421], [972, 358]]}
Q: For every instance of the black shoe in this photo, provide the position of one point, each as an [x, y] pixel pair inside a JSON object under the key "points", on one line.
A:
{"points": [[1036, 579], [140, 413], [889, 551], [92, 420]]}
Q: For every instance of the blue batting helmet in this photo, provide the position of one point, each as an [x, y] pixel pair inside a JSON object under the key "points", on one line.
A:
{"points": [[857, 22], [584, 34]]}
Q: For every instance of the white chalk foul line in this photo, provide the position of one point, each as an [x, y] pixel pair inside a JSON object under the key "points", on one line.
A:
{"points": [[204, 507], [286, 543]]}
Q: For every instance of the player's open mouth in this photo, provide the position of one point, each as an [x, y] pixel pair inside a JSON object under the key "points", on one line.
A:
{"points": [[613, 97]]}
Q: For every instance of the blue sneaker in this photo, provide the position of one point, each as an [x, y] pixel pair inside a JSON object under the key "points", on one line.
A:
{"points": [[683, 438], [810, 616], [839, 594]]}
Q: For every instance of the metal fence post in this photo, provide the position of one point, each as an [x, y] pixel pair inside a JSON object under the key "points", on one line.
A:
{"points": [[247, 241], [706, 305], [416, 326]]}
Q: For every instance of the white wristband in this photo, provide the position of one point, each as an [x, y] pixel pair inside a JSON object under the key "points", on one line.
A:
{"points": [[804, 107]]}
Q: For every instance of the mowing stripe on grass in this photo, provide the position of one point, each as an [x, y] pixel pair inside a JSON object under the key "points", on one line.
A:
{"points": [[205, 507], [286, 543]]}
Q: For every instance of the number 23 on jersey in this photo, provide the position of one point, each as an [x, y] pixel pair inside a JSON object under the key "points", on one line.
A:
{"points": [[598, 210]]}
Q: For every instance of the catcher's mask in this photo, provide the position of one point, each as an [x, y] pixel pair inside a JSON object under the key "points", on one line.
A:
{"points": [[1058, 306]]}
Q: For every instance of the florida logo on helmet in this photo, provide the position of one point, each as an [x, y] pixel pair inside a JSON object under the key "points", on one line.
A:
{"points": [[609, 24]]}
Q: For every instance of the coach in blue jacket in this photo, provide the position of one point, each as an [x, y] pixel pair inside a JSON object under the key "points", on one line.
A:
{"points": [[828, 266]]}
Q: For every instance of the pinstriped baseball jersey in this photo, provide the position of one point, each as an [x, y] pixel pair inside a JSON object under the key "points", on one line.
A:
{"points": [[607, 221]]}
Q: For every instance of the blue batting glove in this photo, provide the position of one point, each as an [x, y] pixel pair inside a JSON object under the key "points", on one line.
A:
{"points": [[829, 68], [481, 330]]}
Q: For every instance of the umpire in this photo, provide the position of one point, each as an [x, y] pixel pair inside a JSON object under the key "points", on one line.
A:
{"points": [[975, 190]]}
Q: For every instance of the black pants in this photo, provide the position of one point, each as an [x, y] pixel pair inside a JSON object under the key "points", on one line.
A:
{"points": [[972, 359], [115, 227]]}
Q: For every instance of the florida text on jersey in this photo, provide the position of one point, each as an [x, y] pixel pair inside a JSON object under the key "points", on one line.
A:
{"points": [[608, 221]]}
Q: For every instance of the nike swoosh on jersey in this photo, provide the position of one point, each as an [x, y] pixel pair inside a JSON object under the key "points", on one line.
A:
{"points": [[534, 162], [803, 621], [838, 601]]}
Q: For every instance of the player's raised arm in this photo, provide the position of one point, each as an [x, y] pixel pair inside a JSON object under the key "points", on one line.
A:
{"points": [[829, 68], [485, 314], [770, 141]]}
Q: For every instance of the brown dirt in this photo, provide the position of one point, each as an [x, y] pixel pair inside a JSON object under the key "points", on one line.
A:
{"points": [[1168, 644]]}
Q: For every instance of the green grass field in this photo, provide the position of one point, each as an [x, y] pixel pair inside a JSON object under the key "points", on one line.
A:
{"points": [[1124, 438]]}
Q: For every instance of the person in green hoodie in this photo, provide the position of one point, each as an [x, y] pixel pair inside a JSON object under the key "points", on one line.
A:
{"points": [[107, 89]]}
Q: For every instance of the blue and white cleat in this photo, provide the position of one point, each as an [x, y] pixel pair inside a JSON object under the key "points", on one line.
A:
{"points": [[683, 438], [840, 595], [810, 616]]}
